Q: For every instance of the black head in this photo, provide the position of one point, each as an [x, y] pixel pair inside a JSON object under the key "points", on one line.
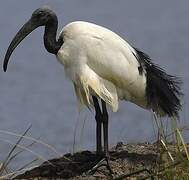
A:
{"points": [[40, 17]]}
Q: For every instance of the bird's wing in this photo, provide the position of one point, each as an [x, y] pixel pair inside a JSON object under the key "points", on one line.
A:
{"points": [[89, 83], [113, 60]]}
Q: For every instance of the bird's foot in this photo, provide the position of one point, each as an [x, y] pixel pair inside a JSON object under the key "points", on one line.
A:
{"points": [[102, 161], [107, 159]]}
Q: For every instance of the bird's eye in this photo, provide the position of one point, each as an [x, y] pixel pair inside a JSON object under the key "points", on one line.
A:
{"points": [[39, 14]]}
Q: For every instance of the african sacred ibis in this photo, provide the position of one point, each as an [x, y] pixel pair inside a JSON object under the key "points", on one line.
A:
{"points": [[103, 66]]}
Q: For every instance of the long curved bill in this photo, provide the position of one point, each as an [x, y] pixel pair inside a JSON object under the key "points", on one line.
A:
{"points": [[22, 33]]}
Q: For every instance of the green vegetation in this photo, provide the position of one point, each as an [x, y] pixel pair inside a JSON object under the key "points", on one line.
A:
{"points": [[173, 162]]}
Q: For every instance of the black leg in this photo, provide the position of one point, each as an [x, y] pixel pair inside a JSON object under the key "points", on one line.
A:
{"points": [[98, 117], [101, 118], [105, 131], [105, 128]]}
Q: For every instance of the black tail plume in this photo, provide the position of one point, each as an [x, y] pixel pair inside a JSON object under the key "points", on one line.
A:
{"points": [[163, 91]]}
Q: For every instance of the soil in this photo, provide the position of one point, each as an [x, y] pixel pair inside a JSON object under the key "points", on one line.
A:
{"points": [[127, 161]]}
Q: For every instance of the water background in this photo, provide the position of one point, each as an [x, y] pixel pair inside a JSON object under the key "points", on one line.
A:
{"points": [[35, 90]]}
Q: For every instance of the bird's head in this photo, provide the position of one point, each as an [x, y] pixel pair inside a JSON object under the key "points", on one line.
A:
{"points": [[40, 17]]}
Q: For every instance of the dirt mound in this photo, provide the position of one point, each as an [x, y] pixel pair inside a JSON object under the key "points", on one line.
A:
{"points": [[130, 160]]}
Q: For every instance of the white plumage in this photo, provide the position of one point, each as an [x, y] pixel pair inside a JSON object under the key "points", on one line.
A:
{"points": [[99, 62]]}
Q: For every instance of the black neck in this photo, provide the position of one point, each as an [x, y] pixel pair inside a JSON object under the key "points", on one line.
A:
{"points": [[50, 42]]}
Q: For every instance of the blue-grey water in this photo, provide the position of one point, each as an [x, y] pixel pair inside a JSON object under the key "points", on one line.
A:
{"points": [[35, 90]]}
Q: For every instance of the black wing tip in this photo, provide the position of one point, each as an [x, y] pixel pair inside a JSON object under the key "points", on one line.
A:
{"points": [[163, 90]]}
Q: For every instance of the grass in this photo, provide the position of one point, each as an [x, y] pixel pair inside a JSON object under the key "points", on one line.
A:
{"points": [[173, 159], [172, 163], [16, 149]]}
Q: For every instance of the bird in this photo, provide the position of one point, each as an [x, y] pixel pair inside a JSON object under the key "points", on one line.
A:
{"points": [[104, 69]]}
